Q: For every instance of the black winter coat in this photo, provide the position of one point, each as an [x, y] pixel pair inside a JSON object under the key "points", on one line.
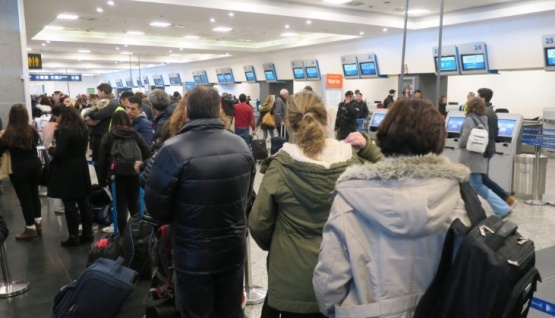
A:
{"points": [[69, 177], [104, 116], [200, 182], [105, 157]]}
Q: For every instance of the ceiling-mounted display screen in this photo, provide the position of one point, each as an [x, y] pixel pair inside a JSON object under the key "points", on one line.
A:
{"points": [[228, 77], [367, 68], [550, 56], [221, 78], [312, 72], [146, 81], [196, 78], [471, 62], [204, 79], [270, 75], [250, 76], [298, 73], [447, 63], [350, 69]]}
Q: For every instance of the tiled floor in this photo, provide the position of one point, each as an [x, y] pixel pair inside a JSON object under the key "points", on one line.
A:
{"points": [[48, 266]]}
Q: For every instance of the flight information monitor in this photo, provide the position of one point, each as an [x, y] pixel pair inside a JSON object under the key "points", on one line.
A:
{"points": [[550, 56], [312, 72], [270, 75], [298, 73], [473, 62], [250, 76], [368, 68], [350, 69], [447, 63], [221, 78]]}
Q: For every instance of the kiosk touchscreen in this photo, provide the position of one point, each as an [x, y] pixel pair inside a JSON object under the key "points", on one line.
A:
{"points": [[375, 122], [453, 127]]}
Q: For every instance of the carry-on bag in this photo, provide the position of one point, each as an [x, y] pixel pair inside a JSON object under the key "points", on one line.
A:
{"points": [[160, 301], [492, 275], [136, 240], [100, 291], [277, 142], [110, 245], [259, 150]]}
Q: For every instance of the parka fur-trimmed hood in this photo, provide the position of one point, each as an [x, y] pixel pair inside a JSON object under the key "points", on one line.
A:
{"points": [[417, 167], [405, 196]]}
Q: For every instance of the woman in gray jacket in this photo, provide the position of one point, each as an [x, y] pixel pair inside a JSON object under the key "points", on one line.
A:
{"points": [[478, 164], [382, 242]]}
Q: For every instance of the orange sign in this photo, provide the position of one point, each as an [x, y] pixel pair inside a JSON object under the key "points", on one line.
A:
{"points": [[334, 80]]}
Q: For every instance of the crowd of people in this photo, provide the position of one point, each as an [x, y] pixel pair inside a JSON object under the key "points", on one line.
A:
{"points": [[348, 224]]}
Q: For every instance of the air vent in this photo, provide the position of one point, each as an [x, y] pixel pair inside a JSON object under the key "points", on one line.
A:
{"points": [[180, 26], [355, 3], [87, 19]]}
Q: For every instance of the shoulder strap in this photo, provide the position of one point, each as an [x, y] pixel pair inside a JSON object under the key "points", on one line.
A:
{"points": [[472, 204], [476, 123]]}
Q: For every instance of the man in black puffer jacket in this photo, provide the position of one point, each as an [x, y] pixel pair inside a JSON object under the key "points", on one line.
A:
{"points": [[200, 182]]}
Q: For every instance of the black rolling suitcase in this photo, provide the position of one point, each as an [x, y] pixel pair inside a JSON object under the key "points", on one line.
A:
{"points": [[493, 274], [136, 240], [100, 291], [259, 150], [277, 142]]}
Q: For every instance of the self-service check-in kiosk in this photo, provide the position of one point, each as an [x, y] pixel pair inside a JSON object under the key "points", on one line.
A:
{"points": [[375, 121], [507, 145], [453, 126]]}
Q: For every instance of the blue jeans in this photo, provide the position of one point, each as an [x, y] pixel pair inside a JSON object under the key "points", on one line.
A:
{"points": [[494, 186], [244, 133], [499, 207]]}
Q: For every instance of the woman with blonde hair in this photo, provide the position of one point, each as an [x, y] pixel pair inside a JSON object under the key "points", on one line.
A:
{"points": [[21, 140], [177, 119], [294, 201], [267, 107]]}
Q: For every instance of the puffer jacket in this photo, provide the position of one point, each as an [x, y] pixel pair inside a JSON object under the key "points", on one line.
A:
{"points": [[200, 182], [382, 242], [142, 125], [289, 214]]}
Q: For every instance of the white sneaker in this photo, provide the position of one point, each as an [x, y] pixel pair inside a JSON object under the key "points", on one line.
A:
{"points": [[109, 229]]}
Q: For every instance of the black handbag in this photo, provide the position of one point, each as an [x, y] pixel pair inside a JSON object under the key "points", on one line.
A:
{"points": [[46, 168]]}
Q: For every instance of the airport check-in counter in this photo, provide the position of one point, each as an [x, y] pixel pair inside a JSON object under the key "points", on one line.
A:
{"points": [[375, 121], [507, 145]]}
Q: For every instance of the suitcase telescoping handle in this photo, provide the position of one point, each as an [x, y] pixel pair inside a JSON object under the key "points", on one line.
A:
{"points": [[282, 131], [114, 205]]}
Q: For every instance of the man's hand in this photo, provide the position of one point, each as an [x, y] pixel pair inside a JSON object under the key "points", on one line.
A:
{"points": [[282, 123], [356, 140], [137, 166]]}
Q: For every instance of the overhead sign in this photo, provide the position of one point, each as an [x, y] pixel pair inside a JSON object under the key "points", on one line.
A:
{"points": [[334, 80], [55, 77], [35, 61]]}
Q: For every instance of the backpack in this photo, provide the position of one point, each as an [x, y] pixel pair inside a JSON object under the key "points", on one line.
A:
{"points": [[124, 151], [485, 271], [478, 139]]}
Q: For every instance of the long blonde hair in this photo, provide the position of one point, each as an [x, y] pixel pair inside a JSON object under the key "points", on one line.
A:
{"points": [[177, 119], [306, 115]]}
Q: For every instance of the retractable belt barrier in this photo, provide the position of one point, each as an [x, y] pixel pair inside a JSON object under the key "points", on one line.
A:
{"points": [[9, 288], [255, 294]]}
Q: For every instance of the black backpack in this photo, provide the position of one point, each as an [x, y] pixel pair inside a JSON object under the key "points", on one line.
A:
{"points": [[492, 275], [124, 152]]}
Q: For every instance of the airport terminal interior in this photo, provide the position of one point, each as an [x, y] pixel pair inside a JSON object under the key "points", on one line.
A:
{"points": [[259, 47]]}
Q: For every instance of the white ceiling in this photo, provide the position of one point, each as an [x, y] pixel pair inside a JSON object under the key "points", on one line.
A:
{"points": [[257, 27]]}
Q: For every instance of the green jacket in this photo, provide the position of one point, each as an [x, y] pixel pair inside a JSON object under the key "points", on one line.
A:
{"points": [[288, 216]]}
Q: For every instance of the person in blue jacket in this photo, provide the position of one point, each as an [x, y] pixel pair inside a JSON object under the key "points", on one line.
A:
{"points": [[139, 121]]}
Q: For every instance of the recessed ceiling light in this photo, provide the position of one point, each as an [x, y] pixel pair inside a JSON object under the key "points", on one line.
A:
{"points": [[418, 11], [135, 32], [116, 62], [47, 41], [384, 29], [222, 29], [111, 3], [125, 45], [66, 16], [160, 24], [361, 33], [181, 49], [337, 1], [212, 20], [43, 44], [117, 47], [231, 14], [171, 51], [99, 10], [192, 37], [289, 34], [308, 22], [84, 51], [29, 49], [175, 54], [127, 53], [53, 27], [287, 26]]}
